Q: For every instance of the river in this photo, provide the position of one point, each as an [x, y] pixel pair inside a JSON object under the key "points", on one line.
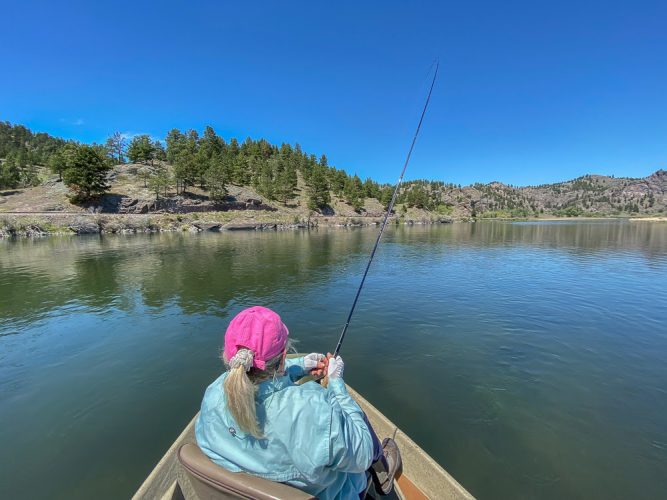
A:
{"points": [[527, 358]]}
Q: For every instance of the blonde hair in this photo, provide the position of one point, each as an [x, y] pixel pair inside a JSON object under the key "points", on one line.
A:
{"points": [[240, 387]]}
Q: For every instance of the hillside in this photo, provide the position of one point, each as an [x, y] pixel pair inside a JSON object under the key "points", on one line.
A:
{"points": [[255, 182], [589, 195], [130, 194], [130, 206]]}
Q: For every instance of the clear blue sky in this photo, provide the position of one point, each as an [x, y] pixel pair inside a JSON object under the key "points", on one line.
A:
{"points": [[529, 92]]}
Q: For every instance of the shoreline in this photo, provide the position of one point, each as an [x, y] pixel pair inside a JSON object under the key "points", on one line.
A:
{"points": [[582, 218], [37, 224]]}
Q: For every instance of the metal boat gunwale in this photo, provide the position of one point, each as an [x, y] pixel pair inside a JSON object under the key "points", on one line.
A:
{"points": [[167, 481]]}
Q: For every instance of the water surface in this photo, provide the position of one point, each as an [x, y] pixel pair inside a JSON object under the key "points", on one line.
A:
{"points": [[527, 358]]}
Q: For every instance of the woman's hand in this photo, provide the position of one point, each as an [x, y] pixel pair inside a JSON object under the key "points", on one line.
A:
{"points": [[335, 366], [315, 363]]}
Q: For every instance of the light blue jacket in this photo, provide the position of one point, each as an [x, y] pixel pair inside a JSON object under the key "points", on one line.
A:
{"points": [[315, 438]]}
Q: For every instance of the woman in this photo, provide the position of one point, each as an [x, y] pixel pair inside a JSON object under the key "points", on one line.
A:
{"points": [[255, 419]]}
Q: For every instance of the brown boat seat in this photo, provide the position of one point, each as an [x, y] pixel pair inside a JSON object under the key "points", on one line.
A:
{"points": [[212, 482]]}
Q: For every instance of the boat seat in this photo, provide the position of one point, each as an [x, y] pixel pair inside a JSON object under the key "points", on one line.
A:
{"points": [[212, 482]]}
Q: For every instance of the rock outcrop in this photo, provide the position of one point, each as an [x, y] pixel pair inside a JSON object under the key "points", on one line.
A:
{"points": [[249, 226], [84, 225], [135, 206], [207, 226]]}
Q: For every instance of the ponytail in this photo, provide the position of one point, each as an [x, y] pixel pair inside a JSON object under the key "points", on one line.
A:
{"points": [[240, 387], [240, 394]]}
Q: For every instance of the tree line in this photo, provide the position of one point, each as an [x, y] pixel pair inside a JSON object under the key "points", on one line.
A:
{"points": [[206, 160], [273, 171], [185, 159], [21, 151]]}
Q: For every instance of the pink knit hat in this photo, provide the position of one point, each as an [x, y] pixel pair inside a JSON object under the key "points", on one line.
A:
{"points": [[259, 329]]}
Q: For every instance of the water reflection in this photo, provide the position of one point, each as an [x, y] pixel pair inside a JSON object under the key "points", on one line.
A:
{"points": [[648, 238], [203, 271], [197, 271]]}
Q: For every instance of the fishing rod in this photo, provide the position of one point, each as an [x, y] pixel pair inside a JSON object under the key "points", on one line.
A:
{"points": [[386, 216]]}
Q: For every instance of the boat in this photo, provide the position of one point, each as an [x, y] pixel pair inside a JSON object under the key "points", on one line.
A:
{"points": [[184, 472]]}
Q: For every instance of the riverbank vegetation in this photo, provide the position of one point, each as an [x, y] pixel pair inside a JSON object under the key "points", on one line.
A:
{"points": [[189, 171]]}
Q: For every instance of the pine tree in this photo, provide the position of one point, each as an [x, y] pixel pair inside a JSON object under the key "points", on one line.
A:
{"points": [[86, 173], [263, 178], [159, 153], [146, 173], [60, 159], [182, 153], [308, 165], [266, 150], [385, 196], [141, 149], [10, 174], [353, 193], [216, 180], [285, 151], [211, 144], [202, 162], [233, 147], [116, 144], [418, 197], [337, 180], [371, 188], [236, 163], [240, 168], [176, 143], [318, 189], [160, 182], [285, 181], [211, 149]]}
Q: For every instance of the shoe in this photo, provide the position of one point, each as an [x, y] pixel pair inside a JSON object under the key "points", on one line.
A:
{"points": [[384, 471]]}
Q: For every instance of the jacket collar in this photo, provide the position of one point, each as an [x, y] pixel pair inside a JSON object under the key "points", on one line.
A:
{"points": [[268, 387]]}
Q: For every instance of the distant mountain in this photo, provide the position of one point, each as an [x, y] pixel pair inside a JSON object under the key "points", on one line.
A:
{"points": [[589, 195]]}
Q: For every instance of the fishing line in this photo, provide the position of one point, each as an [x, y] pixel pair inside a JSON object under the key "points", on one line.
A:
{"points": [[386, 216]]}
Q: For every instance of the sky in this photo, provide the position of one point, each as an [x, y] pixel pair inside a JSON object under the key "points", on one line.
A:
{"points": [[528, 92]]}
